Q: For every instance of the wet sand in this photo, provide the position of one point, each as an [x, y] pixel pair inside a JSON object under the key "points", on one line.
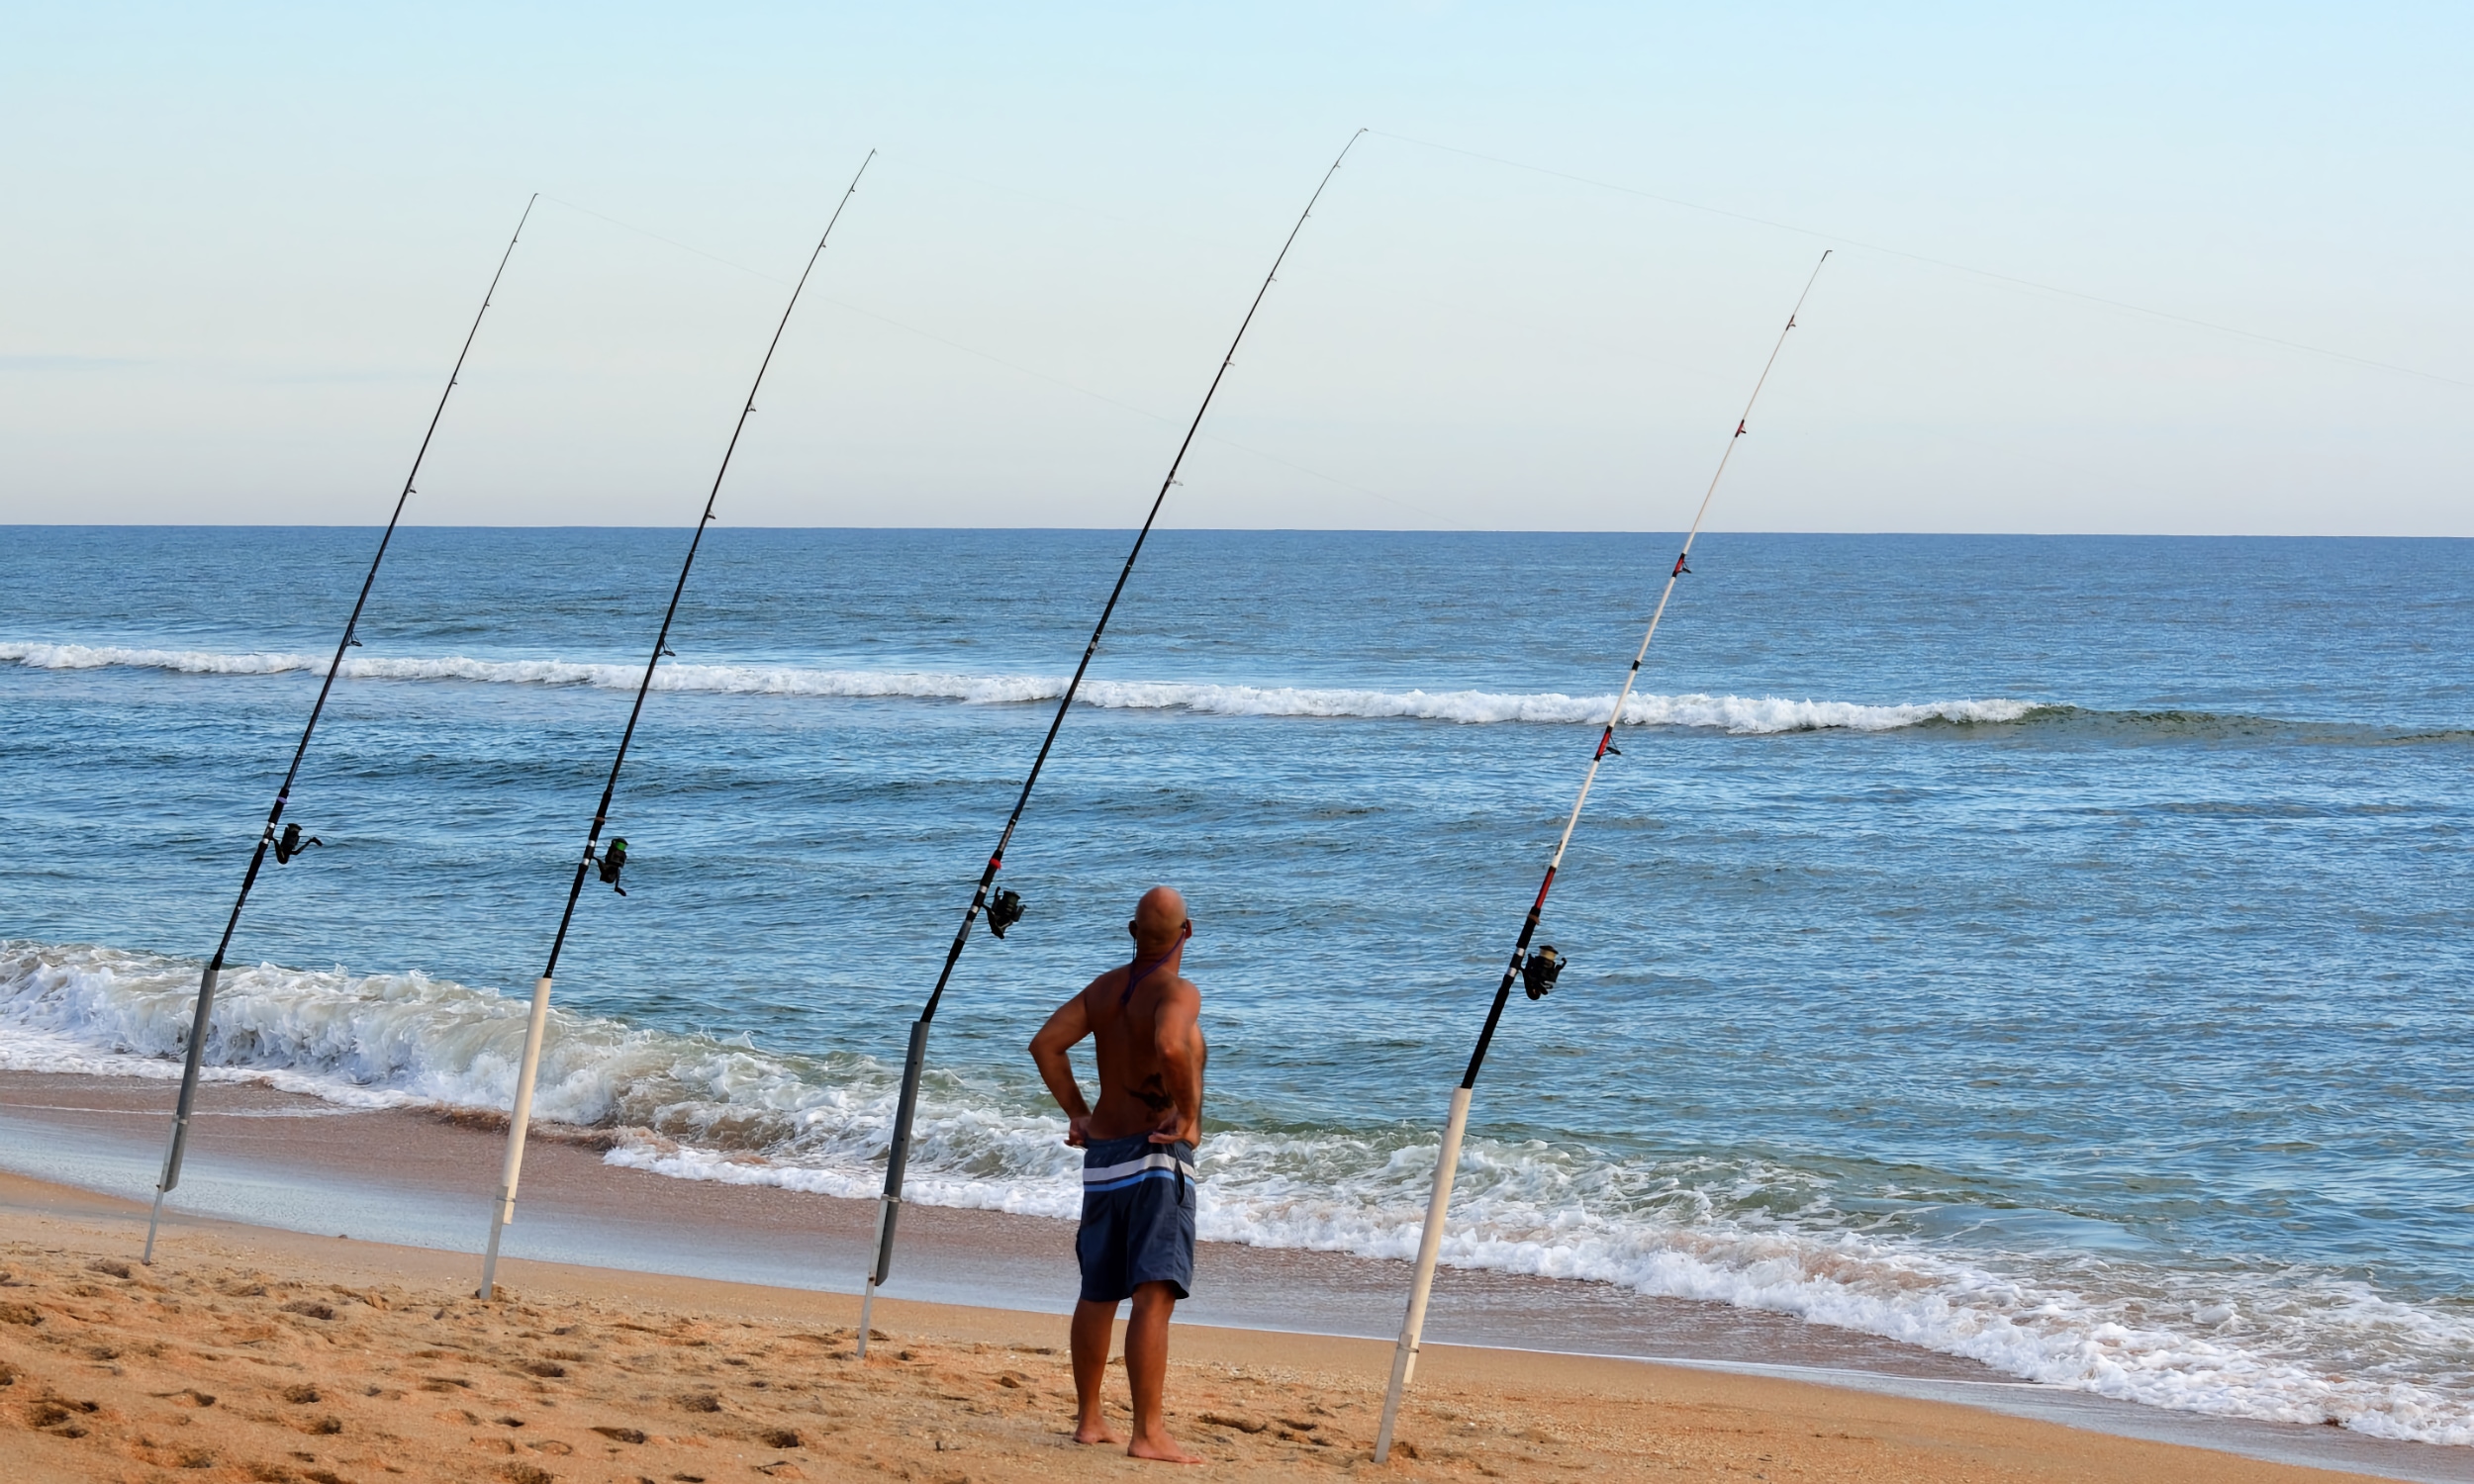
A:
{"points": [[273, 1159], [983, 1373], [270, 1356]]}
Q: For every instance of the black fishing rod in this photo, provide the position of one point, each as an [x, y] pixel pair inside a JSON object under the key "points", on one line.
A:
{"points": [[291, 842], [1537, 972], [1006, 908], [611, 862]]}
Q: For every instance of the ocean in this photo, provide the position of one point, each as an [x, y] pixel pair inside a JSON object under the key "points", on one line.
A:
{"points": [[2051, 952]]}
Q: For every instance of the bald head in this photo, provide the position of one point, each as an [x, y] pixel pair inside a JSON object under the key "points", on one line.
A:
{"points": [[1159, 920]]}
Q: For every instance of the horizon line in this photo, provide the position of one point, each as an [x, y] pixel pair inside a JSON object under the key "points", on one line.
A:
{"points": [[1368, 530]]}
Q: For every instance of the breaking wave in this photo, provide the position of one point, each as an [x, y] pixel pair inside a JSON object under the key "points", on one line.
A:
{"points": [[2286, 1344], [1732, 714]]}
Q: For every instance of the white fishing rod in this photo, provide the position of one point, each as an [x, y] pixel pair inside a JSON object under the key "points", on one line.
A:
{"points": [[290, 843], [1537, 972], [615, 858]]}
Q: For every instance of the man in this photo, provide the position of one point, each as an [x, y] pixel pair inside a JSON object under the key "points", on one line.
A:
{"points": [[1138, 1174]]}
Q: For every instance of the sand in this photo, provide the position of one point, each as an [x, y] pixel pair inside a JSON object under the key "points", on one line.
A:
{"points": [[248, 1353], [425, 1177]]}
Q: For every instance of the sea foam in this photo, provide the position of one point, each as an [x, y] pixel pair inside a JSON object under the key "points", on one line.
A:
{"points": [[2286, 1344], [1731, 713]]}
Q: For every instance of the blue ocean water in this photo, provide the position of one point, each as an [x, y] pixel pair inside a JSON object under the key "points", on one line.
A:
{"points": [[2053, 951]]}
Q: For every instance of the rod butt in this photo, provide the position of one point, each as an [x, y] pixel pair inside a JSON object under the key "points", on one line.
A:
{"points": [[867, 1306]]}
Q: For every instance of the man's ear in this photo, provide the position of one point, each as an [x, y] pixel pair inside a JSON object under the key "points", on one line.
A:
{"points": [[1129, 930]]}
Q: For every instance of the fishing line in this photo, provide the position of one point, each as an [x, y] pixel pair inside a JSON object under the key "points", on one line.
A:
{"points": [[1561, 336], [1006, 909], [646, 232], [1539, 971], [291, 842], [1016, 366], [609, 862], [1102, 397], [1934, 262]]}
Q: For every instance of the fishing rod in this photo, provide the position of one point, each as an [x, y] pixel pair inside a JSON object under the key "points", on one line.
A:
{"points": [[1538, 971], [1006, 909], [291, 842], [611, 862]]}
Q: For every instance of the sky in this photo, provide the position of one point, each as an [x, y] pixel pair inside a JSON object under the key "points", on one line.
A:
{"points": [[2187, 269]]}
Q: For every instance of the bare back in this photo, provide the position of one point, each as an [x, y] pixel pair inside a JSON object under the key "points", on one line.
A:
{"points": [[1146, 1019], [1135, 1095]]}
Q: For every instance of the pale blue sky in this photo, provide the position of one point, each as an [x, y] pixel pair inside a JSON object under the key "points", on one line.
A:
{"points": [[242, 242]]}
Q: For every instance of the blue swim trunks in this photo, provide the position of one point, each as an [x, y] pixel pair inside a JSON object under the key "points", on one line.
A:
{"points": [[1138, 1217]]}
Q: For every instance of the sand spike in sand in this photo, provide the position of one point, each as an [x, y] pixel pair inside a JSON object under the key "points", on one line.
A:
{"points": [[1430, 1244]]}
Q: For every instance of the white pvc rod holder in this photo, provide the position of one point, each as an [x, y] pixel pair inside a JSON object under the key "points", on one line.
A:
{"points": [[518, 1121], [1429, 1248]]}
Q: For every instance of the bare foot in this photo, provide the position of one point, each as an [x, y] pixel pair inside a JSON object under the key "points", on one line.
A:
{"points": [[1094, 1429], [1160, 1450]]}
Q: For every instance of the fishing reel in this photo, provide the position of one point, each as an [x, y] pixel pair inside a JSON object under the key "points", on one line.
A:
{"points": [[1004, 910], [290, 844], [614, 859], [1537, 972]]}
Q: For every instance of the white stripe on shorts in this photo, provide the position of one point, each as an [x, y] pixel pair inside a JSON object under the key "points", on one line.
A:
{"points": [[1157, 1159]]}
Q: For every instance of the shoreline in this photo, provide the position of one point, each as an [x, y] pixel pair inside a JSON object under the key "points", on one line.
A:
{"points": [[266, 1162], [250, 1352], [283, 1159]]}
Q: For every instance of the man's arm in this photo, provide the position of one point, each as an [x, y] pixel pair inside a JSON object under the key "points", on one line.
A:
{"points": [[1067, 1026], [1177, 1024]]}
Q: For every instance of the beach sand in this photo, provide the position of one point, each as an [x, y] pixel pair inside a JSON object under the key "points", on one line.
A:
{"points": [[253, 1353]]}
